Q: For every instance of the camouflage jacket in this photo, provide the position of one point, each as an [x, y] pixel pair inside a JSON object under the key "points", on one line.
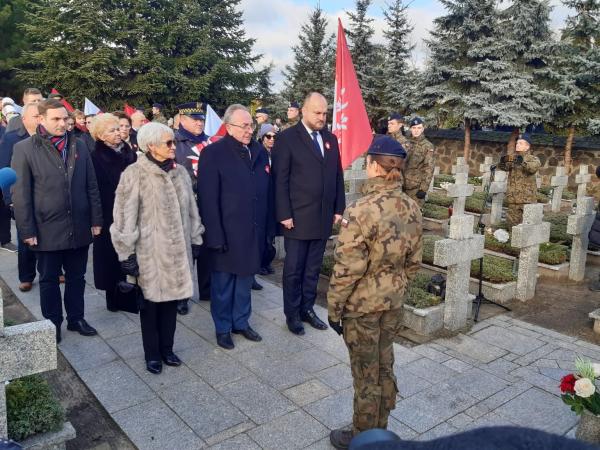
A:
{"points": [[159, 118], [290, 124], [402, 139], [522, 187], [378, 251], [419, 166]]}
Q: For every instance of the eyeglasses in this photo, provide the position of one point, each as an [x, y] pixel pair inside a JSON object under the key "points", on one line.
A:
{"points": [[246, 126], [170, 143], [269, 136]]}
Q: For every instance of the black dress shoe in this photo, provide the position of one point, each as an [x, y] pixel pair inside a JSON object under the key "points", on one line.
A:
{"points": [[270, 270], [249, 334], [224, 340], [340, 438], [295, 326], [154, 367], [82, 327], [172, 360], [256, 286], [182, 307], [263, 271], [310, 317]]}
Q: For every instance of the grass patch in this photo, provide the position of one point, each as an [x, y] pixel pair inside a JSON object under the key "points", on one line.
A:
{"points": [[432, 211], [475, 181], [542, 198], [417, 295], [550, 253], [474, 203], [558, 228], [438, 199], [327, 265], [32, 408], [566, 194]]}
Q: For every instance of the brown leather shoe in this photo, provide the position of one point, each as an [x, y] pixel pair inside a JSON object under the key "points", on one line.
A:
{"points": [[25, 286]]}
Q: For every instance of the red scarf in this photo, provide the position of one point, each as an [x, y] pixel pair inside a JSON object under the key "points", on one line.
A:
{"points": [[59, 142]]}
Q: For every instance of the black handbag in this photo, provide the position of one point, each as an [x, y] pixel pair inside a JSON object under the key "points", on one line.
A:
{"points": [[129, 297]]}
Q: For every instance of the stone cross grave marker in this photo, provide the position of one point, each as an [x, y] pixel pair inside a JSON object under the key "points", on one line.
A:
{"points": [[354, 177], [558, 182], [24, 350], [582, 179], [528, 236], [460, 190], [436, 172], [456, 254], [460, 167], [497, 190], [579, 225], [485, 170]]}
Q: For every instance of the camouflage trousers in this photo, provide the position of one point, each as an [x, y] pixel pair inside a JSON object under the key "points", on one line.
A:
{"points": [[412, 193], [370, 339], [514, 214]]}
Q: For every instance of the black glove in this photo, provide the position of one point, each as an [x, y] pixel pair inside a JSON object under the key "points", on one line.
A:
{"points": [[196, 251], [519, 160], [130, 266], [421, 194], [336, 326], [219, 248]]}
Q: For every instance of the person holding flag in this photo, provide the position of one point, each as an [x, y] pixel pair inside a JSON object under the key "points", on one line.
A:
{"points": [[190, 140]]}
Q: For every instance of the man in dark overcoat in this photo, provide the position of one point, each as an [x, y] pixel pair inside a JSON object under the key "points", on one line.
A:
{"points": [[234, 184], [309, 199], [57, 210], [190, 140]]}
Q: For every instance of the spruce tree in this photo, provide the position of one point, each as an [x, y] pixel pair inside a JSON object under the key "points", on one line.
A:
{"points": [[399, 76], [578, 77], [12, 46], [314, 60]]}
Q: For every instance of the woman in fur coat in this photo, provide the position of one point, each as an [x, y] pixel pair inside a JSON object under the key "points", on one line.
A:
{"points": [[156, 231], [111, 158]]}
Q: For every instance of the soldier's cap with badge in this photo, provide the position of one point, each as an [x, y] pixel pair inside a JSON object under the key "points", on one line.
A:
{"points": [[157, 105], [262, 111], [294, 105], [385, 145], [416, 121], [191, 109], [396, 116], [525, 137]]}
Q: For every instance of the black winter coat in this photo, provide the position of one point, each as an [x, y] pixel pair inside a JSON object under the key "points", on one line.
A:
{"points": [[7, 143], [235, 201], [57, 205], [108, 165], [309, 188]]}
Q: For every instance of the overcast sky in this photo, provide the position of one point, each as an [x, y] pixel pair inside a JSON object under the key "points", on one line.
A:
{"points": [[275, 24]]}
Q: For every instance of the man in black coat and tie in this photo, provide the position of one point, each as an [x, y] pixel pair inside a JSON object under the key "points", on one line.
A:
{"points": [[234, 188], [309, 199]]}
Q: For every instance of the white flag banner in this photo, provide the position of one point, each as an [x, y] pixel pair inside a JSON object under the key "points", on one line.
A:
{"points": [[213, 122], [89, 109]]}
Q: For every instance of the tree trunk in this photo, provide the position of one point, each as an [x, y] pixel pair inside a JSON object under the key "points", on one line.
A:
{"points": [[512, 141], [467, 148], [568, 148]]}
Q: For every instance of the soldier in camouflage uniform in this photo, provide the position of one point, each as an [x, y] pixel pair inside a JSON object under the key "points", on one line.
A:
{"points": [[293, 116], [378, 251], [395, 127], [522, 186], [420, 163]]}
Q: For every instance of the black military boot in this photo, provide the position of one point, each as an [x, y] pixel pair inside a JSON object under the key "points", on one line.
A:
{"points": [[340, 438]]}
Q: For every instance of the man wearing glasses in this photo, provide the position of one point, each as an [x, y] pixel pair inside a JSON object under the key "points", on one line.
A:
{"points": [[234, 187], [191, 139]]}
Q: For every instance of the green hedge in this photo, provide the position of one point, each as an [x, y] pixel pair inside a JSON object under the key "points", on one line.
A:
{"points": [[474, 203], [550, 253], [327, 266], [558, 227], [439, 179], [32, 408], [436, 198], [566, 195], [417, 295], [435, 212]]}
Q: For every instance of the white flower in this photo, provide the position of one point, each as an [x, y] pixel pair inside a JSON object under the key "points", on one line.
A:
{"points": [[584, 388], [445, 185], [596, 367], [501, 235]]}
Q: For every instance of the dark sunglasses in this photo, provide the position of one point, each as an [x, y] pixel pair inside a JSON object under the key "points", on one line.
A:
{"points": [[269, 136], [170, 143]]}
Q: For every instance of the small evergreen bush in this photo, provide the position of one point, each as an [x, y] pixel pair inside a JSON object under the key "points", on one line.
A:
{"points": [[432, 211]]}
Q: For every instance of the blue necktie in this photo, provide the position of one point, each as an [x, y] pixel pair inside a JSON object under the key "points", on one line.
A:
{"points": [[316, 145]]}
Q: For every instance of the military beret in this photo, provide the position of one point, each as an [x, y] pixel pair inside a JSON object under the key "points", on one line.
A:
{"points": [[416, 121], [294, 105], [396, 116], [139, 108], [385, 145], [157, 105], [191, 109], [262, 111], [526, 137]]}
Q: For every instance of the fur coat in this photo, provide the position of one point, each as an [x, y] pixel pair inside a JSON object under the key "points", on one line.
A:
{"points": [[156, 217]]}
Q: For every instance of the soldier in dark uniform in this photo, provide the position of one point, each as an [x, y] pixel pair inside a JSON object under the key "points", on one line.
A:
{"points": [[378, 251], [293, 116], [191, 139]]}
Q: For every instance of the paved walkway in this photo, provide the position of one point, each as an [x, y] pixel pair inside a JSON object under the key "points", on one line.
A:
{"points": [[287, 392]]}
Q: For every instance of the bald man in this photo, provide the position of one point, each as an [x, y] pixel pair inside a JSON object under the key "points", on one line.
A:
{"points": [[309, 199]]}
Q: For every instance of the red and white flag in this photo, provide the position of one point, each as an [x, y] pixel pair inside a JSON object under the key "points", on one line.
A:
{"points": [[350, 121], [65, 103], [197, 149], [128, 109]]}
